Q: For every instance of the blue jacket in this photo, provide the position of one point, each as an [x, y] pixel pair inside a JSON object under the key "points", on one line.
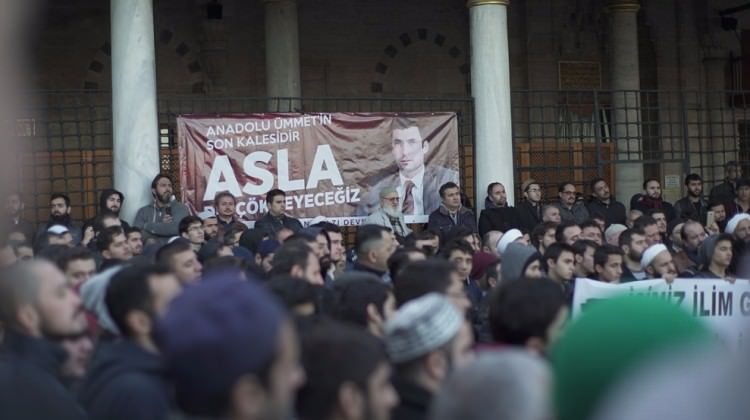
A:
{"points": [[125, 382], [30, 386], [441, 222]]}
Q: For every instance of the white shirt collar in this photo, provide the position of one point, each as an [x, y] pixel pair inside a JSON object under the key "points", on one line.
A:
{"points": [[417, 180]]}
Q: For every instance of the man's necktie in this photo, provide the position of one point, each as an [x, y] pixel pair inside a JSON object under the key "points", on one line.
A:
{"points": [[408, 206]]}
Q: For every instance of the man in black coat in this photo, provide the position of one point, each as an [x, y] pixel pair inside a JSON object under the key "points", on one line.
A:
{"points": [[603, 205], [37, 305], [530, 209], [276, 218], [126, 378], [497, 214], [451, 214]]}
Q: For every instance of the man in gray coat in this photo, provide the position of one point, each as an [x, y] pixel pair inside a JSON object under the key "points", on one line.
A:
{"points": [[161, 219], [416, 183], [389, 214]]}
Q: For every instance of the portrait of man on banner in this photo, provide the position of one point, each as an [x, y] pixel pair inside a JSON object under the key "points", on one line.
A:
{"points": [[416, 180]]}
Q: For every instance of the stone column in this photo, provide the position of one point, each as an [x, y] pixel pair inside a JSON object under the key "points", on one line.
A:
{"points": [[135, 127], [282, 53], [721, 137], [625, 82], [490, 87]]}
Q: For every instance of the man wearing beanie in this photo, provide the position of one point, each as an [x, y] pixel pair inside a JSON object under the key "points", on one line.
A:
{"points": [[425, 340], [239, 358], [520, 261], [716, 256], [657, 263]]}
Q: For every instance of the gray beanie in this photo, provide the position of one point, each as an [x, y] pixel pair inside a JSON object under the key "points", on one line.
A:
{"points": [[515, 260], [706, 251]]}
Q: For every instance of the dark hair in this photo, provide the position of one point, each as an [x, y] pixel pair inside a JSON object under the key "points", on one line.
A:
{"points": [[580, 246], [273, 193], [447, 186], [221, 195], [601, 255], [427, 234], [731, 164], [645, 183], [165, 254], [292, 291], [458, 233], [595, 181], [419, 278], [328, 227], [554, 251], [251, 239], [589, 223], [692, 177], [302, 238], [399, 259], [716, 202], [233, 265], [158, 177], [335, 354], [491, 186], [652, 212], [107, 236], [132, 229], [353, 292], [186, 222], [562, 185], [560, 231], [99, 221], [73, 254], [366, 235], [540, 230], [128, 291], [54, 254], [644, 221], [524, 309], [289, 255], [627, 235], [456, 245], [233, 229], [55, 196]]}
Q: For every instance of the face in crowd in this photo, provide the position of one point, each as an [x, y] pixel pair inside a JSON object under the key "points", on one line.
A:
{"points": [[534, 193], [568, 195], [114, 203], [163, 191], [498, 195], [653, 189]]}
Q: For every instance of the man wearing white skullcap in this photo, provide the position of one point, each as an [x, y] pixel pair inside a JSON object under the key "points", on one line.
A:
{"points": [[739, 227], [657, 262], [513, 235], [425, 340]]}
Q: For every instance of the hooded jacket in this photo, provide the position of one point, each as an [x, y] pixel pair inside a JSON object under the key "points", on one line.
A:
{"points": [[30, 386], [125, 382], [515, 260]]}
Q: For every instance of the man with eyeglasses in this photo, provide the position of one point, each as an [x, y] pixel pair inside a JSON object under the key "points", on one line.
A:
{"points": [[530, 209], [389, 214], [571, 210]]}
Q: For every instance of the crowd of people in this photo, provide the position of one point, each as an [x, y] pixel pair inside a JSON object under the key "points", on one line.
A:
{"points": [[198, 316]]}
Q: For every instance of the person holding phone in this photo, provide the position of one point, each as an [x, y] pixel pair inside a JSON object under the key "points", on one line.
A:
{"points": [[161, 219]]}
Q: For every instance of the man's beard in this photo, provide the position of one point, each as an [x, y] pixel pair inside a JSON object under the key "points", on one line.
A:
{"points": [[165, 198], [392, 212], [63, 219], [115, 210], [634, 256], [325, 264], [690, 192]]}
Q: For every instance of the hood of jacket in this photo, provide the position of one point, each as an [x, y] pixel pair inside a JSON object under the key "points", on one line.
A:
{"points": [[515, 259], [116, 358], [93, 292]]}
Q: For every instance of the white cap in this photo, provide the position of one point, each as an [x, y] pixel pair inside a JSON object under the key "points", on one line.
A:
{"points": [[58, 230], [650, 254], [614, 230], [421, 326], [172, 239], [508, 238], [207, 214], [734, 221]]}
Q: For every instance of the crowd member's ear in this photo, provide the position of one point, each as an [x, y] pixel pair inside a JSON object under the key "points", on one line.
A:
{"points": [[351, 402], [249, 398]]}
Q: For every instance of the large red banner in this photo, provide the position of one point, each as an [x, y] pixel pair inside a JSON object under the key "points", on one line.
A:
{"points": [[332, 165]]}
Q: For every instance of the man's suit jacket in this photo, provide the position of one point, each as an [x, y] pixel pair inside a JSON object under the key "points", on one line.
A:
{"points": [[434, 178]]}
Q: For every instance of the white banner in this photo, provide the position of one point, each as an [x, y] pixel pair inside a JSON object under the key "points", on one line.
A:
{"points": [[723, 305]]}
